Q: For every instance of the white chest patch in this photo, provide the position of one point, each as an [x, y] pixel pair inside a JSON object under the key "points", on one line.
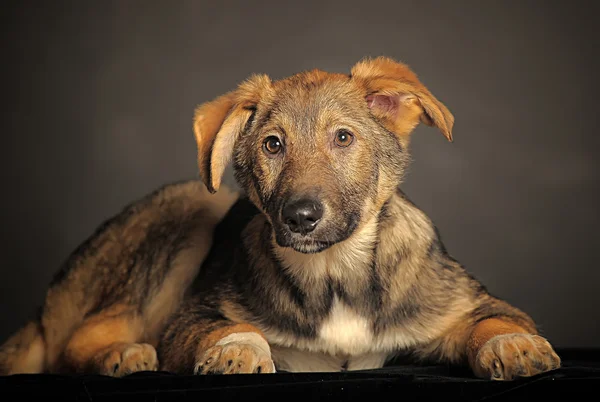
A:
{"points": [[345, 331], [344, 341]]}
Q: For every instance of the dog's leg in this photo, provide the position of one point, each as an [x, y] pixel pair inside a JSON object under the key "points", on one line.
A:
{"points": [[498, 342], [201, 341], [501, 349], [107, 343]]}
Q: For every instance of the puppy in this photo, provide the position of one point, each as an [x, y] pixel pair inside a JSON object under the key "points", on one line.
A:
{"points": [[320, 263]]}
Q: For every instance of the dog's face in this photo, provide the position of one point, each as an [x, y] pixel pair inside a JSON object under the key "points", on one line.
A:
{"points": [[318, 153]]}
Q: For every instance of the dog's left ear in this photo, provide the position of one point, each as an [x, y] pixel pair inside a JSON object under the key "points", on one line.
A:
{"points": [[395, 94], [217, 125]]}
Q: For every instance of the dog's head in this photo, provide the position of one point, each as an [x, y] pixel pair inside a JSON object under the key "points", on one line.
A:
{"points": [[319, 153]]}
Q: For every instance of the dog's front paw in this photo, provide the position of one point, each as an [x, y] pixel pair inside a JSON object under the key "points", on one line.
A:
{"points": [[239, 353], [506, 357]]}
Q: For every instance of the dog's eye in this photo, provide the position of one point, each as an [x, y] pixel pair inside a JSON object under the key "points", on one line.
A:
{"points": [[343, 138], [272, 145]]}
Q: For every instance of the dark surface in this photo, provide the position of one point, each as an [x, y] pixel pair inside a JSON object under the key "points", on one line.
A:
{"points": [[579, 375]]}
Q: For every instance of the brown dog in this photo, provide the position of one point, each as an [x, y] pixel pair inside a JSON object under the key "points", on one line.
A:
{"points": [[322, 264]]}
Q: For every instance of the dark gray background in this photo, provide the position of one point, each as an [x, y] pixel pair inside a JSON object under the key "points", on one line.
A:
{"points": [[99, 97]]}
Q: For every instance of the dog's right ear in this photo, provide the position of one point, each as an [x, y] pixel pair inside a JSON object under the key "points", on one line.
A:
{"points": [[217, 125]]}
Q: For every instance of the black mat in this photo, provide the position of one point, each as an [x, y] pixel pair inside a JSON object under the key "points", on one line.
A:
{"points": [[576, 380]]}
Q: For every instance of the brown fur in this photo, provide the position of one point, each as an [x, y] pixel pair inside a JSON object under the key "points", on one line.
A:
{"points": [[364, 278]]}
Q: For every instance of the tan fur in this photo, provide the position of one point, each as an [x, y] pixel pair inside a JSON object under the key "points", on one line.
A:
{"points": [[118, 324], [24, 351]]}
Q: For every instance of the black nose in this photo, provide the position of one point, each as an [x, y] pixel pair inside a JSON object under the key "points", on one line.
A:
{"points": [[303, 215]]}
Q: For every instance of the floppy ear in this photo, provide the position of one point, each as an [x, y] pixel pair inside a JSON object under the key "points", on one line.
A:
{"points": [[395, 94], [217, 125]]}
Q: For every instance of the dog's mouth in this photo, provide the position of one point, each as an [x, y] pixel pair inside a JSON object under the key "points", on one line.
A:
{"points": [[305, 244], [316, 241]]}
